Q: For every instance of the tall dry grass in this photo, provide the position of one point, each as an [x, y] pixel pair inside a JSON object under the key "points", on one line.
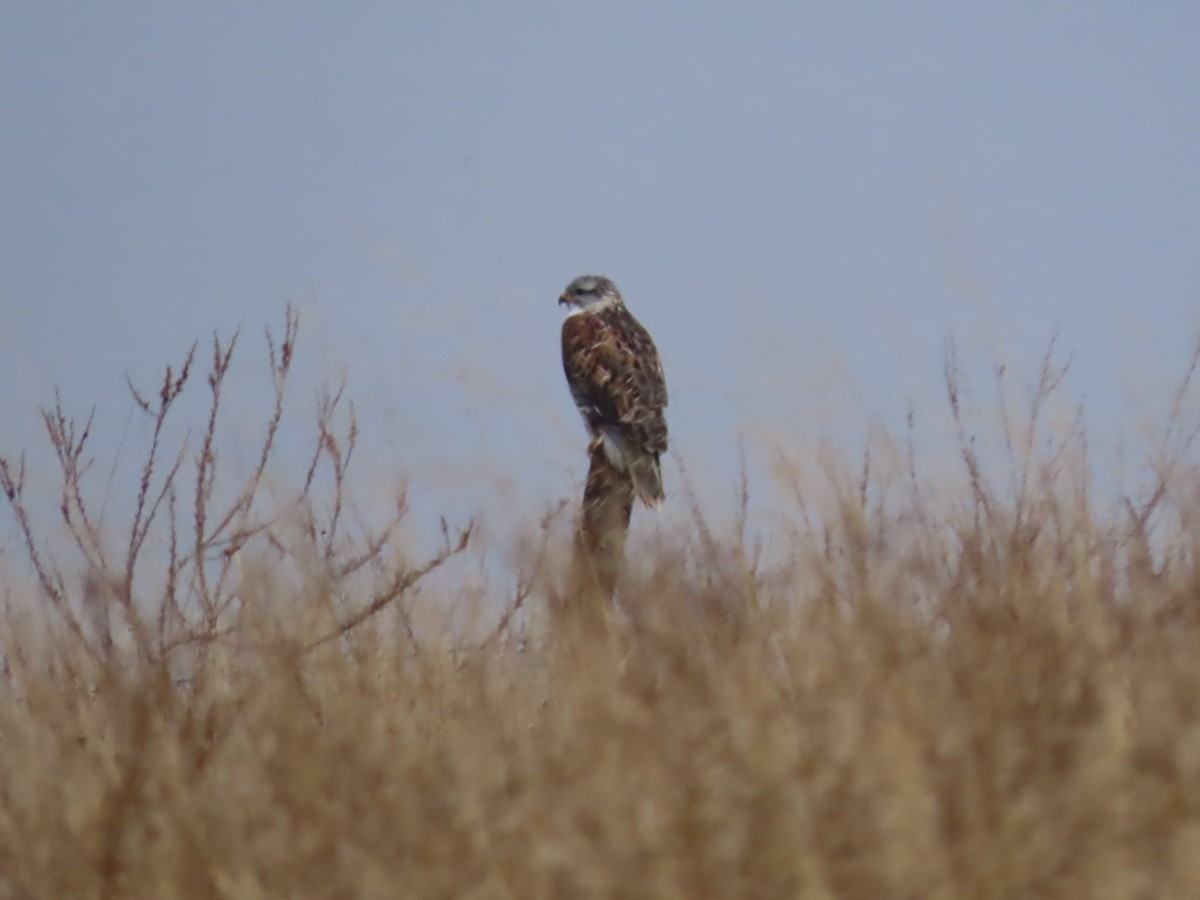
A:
{"points": [[987, 690]]}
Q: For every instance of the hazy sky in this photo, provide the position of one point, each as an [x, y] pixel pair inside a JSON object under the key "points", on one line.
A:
{"points": [[799, 200]]}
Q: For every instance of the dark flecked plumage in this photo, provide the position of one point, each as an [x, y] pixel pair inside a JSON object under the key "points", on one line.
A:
{"points": [[616, 380]]}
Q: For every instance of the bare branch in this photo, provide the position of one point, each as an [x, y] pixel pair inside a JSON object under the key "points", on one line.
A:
{"points": [[966, 443], [206, 473], [12, 483], [143, 516], [69, 447], [400, 585]]}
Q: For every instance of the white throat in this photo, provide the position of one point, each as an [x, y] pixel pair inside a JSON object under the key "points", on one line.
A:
{"points": [[598, 306]]}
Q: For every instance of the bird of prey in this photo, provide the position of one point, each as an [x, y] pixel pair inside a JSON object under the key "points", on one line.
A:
{"points": [[616, 380]]}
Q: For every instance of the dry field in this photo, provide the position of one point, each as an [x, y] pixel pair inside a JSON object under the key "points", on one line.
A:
{"points": [[984, 692]]}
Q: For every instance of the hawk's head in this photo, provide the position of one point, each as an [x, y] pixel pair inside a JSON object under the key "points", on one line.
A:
{"points": [[590, 292]]}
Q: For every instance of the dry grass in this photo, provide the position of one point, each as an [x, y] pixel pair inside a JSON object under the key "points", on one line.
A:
{"points": [[985, 692]]}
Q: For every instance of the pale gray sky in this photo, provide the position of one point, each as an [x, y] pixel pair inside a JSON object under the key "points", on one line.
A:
{"points": [[799, 200]]}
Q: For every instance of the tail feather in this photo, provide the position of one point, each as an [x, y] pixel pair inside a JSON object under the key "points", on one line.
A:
{"points": [[643, 467], [646, 473]]}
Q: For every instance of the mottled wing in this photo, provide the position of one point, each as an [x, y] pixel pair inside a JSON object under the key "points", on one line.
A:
{"points": [[616, 377]]}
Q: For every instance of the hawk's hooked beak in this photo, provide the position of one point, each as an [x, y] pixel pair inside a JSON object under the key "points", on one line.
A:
{"points": [[564, 299]]}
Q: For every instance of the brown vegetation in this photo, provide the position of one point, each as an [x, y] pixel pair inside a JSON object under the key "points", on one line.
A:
{"points": [[932, 693]]}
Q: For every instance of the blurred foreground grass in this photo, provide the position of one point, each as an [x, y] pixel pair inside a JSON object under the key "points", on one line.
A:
{"points": [[987, 693]]}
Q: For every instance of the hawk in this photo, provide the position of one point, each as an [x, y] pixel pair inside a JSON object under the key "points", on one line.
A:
{"points": [[616, 380]]}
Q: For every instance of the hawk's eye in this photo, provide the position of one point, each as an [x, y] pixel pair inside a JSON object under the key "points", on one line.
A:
{"points": [[579, 291]]}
